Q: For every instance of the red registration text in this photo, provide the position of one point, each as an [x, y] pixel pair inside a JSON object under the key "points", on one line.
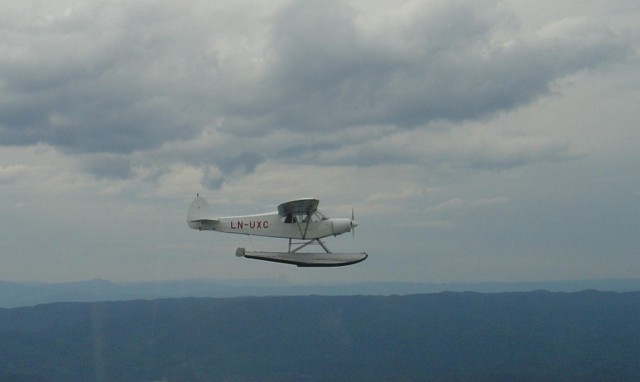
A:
{"points": [[251, 224]]}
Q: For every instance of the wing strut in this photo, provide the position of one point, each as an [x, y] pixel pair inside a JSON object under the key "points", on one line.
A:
{"points": [[306, 226]]}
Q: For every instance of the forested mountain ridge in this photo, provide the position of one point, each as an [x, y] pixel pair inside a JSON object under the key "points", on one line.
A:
{"points": [[448, 336]]}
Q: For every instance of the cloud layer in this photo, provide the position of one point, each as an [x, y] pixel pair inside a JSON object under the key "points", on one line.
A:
{"points": [[232, 85], [479, 140]]}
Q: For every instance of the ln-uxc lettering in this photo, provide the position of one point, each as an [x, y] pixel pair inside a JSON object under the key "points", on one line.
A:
{"points": [[252, 224]]}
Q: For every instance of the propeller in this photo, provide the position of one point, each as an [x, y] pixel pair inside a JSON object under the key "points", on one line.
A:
{"points": [[354, 224]]}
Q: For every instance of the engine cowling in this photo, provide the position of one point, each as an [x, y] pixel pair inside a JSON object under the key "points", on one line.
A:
{"points": [[340, 226]]}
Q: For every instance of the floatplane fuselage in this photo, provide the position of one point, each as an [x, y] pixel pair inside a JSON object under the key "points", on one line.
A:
{"points": [[294, 220]]}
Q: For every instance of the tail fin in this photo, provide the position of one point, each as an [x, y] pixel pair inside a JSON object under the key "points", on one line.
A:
{"points": [[200, 216]]}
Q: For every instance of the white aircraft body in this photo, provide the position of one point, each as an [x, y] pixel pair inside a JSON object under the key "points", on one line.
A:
{"points": [[297, 220]]}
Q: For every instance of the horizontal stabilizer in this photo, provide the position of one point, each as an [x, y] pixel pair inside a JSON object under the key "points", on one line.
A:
{"points": [[203, 224], [320, 259]]}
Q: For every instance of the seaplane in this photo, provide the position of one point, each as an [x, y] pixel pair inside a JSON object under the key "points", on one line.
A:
{"points": [[299, 221]]}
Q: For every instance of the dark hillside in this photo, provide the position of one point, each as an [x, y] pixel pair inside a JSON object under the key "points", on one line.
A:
{"points": [[585, 336]]}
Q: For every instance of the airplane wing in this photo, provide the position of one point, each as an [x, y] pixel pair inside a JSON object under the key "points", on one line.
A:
{"points": [[299, 211], [300, 206]]}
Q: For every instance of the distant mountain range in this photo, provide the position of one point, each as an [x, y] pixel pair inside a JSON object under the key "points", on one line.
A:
{"points": [[27, 294], [448, 336]]}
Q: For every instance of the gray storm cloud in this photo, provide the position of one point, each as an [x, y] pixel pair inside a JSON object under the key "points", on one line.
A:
{"points": [[122, 78]]}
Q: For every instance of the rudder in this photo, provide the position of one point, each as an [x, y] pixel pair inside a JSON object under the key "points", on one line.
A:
{"points": [[200, 216]]}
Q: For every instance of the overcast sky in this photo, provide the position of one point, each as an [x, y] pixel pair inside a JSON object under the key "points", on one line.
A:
{"points": [[478, 140]]}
